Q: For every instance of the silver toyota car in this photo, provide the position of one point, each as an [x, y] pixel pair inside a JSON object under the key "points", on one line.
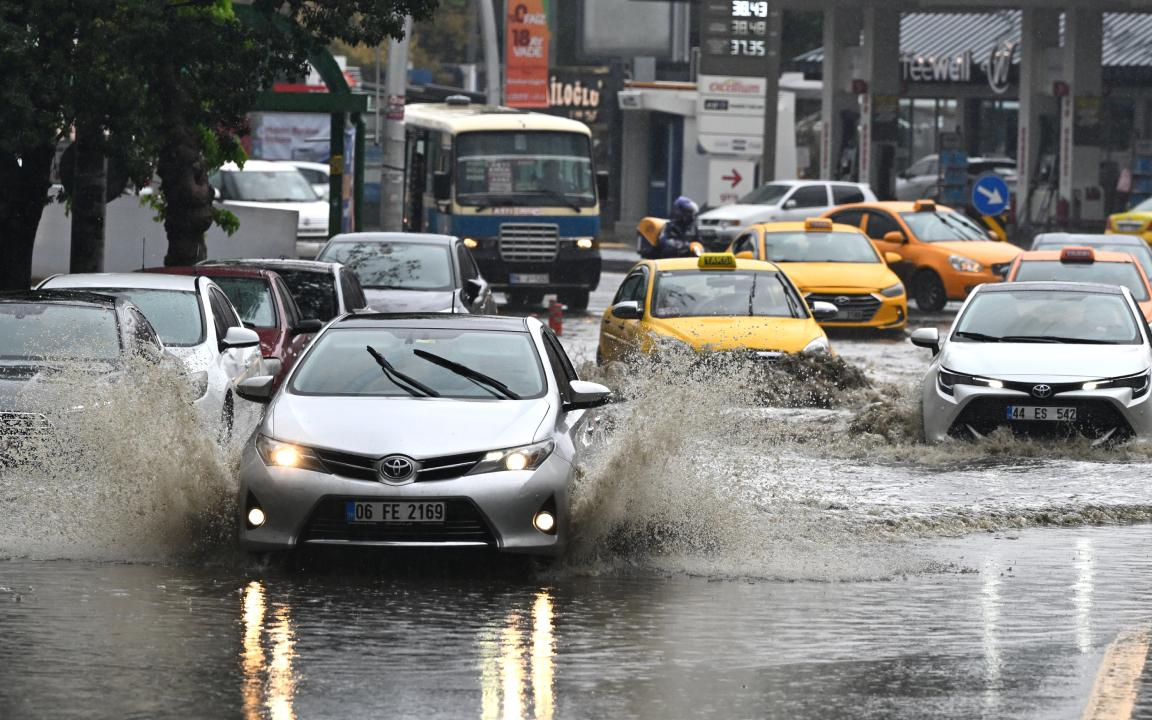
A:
{"points": [[1046, 358], [418, 431]]}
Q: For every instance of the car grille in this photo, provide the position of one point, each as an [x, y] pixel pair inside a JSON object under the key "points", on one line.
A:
{"points": [[23, 424], [463, 523], [363, 467], [853, 308], [1129, 225], [1001, 269], [1094, 418], [529, 242]]}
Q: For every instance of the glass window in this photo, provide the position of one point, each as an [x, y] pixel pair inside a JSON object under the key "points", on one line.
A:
{"points": [[535, 168], [845, 194], [340, 363], [746, 243], [395, 265], [314, 177], [291, 312], [468, 269], [880, 224], [41, 331], [1108, 273], [809, 196], [142, 333], [769, 194], [854, 218], [176, 315], [354, 298], [842, 247], [632, 288], [267, 186], [561, 365], [1048, 316], [314, 293], [940, 227], [711, 294], [923, 166], [252, 298], [1142, 253]]}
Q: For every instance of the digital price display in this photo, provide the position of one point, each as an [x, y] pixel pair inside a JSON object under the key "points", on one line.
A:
{"points": [[734, 36]]}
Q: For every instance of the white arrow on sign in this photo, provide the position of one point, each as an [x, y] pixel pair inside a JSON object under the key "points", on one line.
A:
{"points": [[993, 196]]}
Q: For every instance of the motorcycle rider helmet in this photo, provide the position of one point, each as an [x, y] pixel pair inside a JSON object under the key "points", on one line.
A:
{"points": [[684, 210]]}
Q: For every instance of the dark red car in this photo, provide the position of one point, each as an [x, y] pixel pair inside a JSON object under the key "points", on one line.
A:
{"points": [[265, 305]]}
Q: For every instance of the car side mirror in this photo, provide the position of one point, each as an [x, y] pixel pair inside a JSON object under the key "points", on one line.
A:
{"points": [[895, 236], [473, 288], [587, 395], [745, 254], [239, 337], [307, 327], [601, 186], [628, 310], [824, 310], [256, 389], [441, 186], [927, 338], [790, 204], [892, 258]]}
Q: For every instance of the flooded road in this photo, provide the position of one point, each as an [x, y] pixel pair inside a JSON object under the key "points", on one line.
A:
{"points": [[745, 559]]}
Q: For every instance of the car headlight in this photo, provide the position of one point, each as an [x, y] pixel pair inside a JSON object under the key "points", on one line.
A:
{"points": [[947, 381], [731, 223], [964, 264], [198, 381], [666, 344], [817, 346], [525, 457], [1138, 383], [584, 243], [282, 454], [894, 291]]}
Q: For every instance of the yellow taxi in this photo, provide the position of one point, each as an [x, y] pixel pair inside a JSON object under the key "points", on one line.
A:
{"points": [[1085, 264], [712, 302], [1137, 221], [943, 255], [832, 263]]}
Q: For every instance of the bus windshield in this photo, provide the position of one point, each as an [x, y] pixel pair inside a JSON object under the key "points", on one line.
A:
{"points": [[524, 168]]}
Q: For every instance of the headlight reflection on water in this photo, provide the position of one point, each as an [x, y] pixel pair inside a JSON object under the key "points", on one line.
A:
{"points": [[512, 664], [269, 684]]}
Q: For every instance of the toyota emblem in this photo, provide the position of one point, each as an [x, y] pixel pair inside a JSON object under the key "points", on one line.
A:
{"points": [[395, 468], [1041, 391], [842, 299]]}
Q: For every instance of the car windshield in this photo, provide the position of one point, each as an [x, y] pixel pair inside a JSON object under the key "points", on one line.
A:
{"points": [[1145, 206], [769, 194], [841, 247], [1048, 316], [1106, 273], [314, 293], [341, 364], [691, 293], [41, 331], [176, 315], [1141, 253], [524, 168], [942, 227], [252, 298], [267, 186], [395, 265]]}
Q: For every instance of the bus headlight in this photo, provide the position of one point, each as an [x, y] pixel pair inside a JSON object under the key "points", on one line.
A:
{"points": [[584, 243]]}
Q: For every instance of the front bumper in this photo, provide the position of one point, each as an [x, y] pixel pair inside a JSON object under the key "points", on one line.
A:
{"points": [[572, 267], [865, 310], [972, 410], [493, 510]]}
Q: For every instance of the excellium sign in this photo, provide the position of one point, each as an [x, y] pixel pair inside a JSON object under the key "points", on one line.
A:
{"points": [[962, 68]]}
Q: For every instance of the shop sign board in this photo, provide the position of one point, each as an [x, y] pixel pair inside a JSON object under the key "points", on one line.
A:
{"points": [[730, 114], [729, 180], [996, 70], [526, 54]]}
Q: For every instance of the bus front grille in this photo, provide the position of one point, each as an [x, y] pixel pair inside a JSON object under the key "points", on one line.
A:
{"points": [[528, 242]]}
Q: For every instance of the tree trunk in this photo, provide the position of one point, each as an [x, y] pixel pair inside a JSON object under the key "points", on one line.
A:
{"points": [[88, 201], [187, 195], [25, 179]]}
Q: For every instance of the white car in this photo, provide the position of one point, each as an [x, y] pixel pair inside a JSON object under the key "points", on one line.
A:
{"points": [[197, 324], [778, 201], [317, 174], [1040, 358], [279, 186], [922, 179]]}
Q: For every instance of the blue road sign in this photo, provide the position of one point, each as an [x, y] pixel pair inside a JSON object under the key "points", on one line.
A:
{"points": [[990, 194]]}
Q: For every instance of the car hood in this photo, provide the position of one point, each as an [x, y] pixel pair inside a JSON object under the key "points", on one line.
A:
{"points": [[837, 277], [34, 388], [745, 213], [740, 333], [419, 427], [311, 210], [987, 252], [408, 301], [1036, 361]]}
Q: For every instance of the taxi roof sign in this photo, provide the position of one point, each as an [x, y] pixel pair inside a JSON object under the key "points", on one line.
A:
{"points": [[1080, 254], [716, 261], [817, 225], [924, 206]]}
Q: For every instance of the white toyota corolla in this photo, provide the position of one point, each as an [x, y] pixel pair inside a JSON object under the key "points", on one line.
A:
{"points": [[1046, 358]]}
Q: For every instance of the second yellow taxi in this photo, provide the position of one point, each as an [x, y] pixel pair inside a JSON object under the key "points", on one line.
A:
{"points": [[715, 302], [834, 263]]}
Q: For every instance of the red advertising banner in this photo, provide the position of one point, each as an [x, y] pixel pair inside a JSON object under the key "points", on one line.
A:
{"points": [[526, 54]]}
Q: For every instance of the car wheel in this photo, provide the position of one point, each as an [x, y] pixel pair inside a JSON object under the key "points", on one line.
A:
{"points": [[928, 291], [574, 299]]}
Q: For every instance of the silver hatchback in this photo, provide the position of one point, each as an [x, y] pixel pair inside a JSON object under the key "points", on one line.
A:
{"points": [[418, 431]]}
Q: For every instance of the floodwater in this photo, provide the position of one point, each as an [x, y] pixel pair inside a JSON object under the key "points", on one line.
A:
{"points": [[746, 559]]}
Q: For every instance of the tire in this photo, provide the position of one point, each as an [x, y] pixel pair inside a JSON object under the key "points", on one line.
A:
{"points": [[928, 291], [574, 299]]}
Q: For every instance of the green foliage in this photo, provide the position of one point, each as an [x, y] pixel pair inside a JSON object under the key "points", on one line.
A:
{"points": [[225, 220]]}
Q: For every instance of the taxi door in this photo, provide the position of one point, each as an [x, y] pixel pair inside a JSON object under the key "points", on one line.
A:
{"points": [[620, 337], [877, 224]]}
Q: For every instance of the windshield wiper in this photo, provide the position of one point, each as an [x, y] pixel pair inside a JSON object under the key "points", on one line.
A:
{"points": [[556, 194], [488, 383], [1055, 339], [410, 385], [752, 295], [981, 337], [490, 203]]}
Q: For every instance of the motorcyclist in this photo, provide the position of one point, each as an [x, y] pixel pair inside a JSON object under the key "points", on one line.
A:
{"points": [[679, 232]]}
